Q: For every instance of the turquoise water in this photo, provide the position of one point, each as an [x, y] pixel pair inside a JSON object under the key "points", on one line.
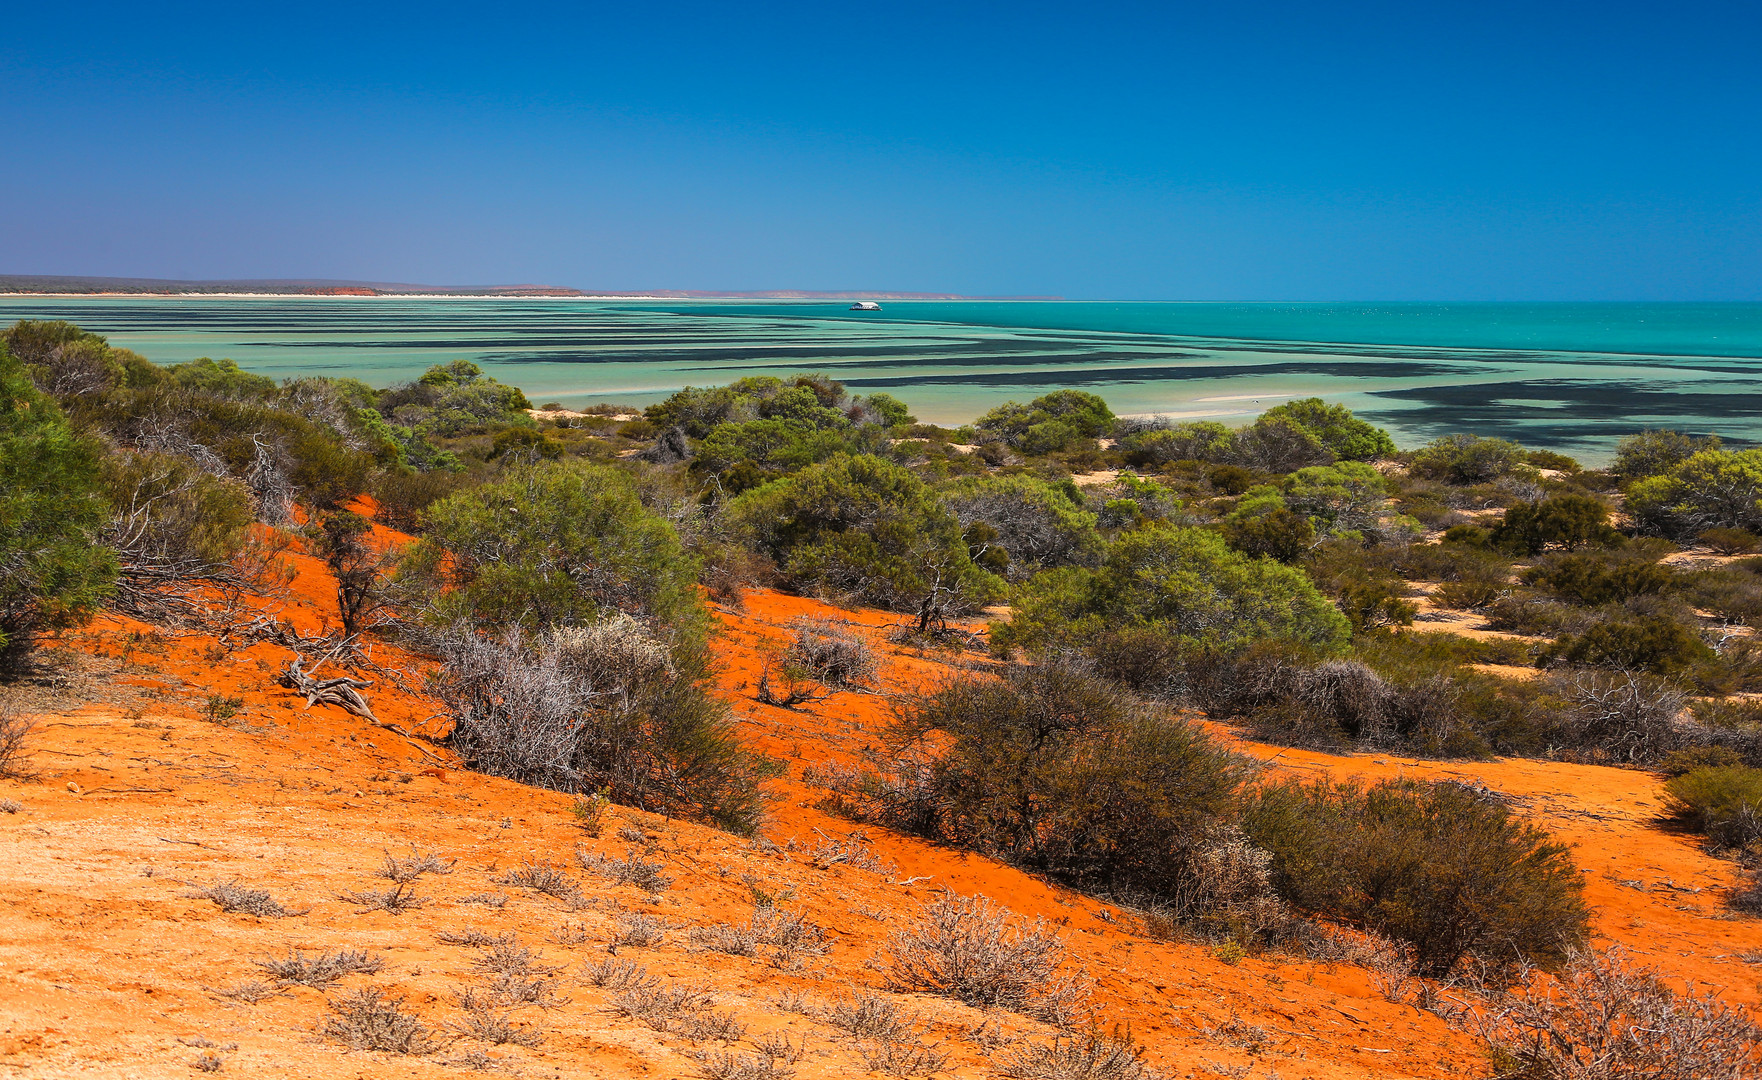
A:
{"points": [[1569, 376]]}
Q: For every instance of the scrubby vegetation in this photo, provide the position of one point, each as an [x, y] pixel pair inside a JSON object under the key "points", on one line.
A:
{"points": [[1282, 576]]}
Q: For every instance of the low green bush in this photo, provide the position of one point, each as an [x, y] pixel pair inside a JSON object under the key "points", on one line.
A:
{"points": [[1647, 643], [1731, 541], [53, 571], [863, 527], [1466, 459], [1595, 578], [1569, 521], [1722, 801], [1446, 868], [1182, 582]]}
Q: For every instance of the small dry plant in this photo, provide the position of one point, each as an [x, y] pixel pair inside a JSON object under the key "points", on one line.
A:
{"points": [[787, 685], [236, 898], [396, 900], [728, 1065], [590, 810], [1240, 1034], [407, 870], [685, 1010], [489, 900], [851, 851], [784, 937], [630, 870], [503, 956], [319, 970], [542, 878], [13, 732], [618, 975], [966, 948], [371, 1019], [1087, 1057], [495, 1027], [1606, 1016], [640, 931], [830, 653], [251, 992], [888, 1035], [473, 937]]}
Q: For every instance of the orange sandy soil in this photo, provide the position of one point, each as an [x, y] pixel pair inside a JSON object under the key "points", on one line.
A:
{"points": [[109, 967]]}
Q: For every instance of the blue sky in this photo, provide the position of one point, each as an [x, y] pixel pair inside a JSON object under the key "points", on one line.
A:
{"points": [[1244, 151]]}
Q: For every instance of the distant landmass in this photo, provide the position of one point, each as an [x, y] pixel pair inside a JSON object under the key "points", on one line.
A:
{"points": [[44, 284]]}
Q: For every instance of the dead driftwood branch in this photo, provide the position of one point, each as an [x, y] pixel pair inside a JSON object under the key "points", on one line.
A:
{"points": [[343, 692]]}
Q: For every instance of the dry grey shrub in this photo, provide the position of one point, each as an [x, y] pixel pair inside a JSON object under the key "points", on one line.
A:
{"points": [[965, 948], [490, 900], [531, 707], [543, 878], [786, 934], [871, 1016], [1227, 892], [494, 1026], [13, 732], [251, 992], [682, 1009], [1086, 1057], [320, 970], [630, 870], [640, 931], [473, 937], [618, 975], [395, 901], [207, 1063], [907, 1058], [235, 898], [730, 1066], [406, 870], [503, 956], [1608, 1018], [370, 1019], [1240, 1034], [830, 653], [1626, 717], [850, 852]]}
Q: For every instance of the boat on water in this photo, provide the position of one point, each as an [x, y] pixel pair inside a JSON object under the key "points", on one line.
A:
{"points": [[865, 305]]}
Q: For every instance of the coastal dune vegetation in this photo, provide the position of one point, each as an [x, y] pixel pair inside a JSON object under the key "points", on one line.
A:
{"points": [[1123, 593]]}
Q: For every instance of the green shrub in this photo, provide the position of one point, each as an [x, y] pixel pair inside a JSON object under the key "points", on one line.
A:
{"points": [[1712, 489], [1653, 453], [53, 571], [1446, 868], [1280, 533], [1054, 770], [1526, 613], [1350, 497], [1466, 459], [1230, 479], [1051, 423], [1731, 541], [1344, 435], [1182, 582], [551, 544], [1722, 801], [1569, 521], [1031, 523], [1648, 643], [221, 379], [1596, 578], [1202, 440], [866, 528], [1687, 760], [1277, 445], [172, 526], [1376, 600]]}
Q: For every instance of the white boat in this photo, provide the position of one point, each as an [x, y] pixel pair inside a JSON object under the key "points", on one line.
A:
{"points": [[865, 305]]}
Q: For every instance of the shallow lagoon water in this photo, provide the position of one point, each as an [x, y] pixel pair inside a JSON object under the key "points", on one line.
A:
{"points": [[1569, 376]]}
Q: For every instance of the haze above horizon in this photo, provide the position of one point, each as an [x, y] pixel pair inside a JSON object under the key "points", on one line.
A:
{"points": [[1263, 151]]}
